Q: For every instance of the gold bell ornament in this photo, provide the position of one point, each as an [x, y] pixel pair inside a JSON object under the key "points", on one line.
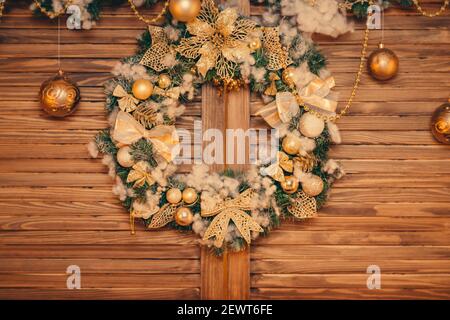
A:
{"points": [[184, 216], [440, 123], [184, 10], [59, 96], [382, 63], [288, 76]]}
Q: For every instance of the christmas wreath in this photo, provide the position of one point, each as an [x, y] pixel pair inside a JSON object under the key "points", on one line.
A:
{"points": [[152, 88]]}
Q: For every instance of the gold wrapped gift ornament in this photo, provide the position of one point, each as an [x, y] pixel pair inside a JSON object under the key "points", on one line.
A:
{"points": [[59, 96]]}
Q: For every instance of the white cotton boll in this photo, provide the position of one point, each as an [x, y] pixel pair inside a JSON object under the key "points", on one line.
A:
{"points": [[332, 167], [199, 226], [172, 33], [170, 60], [92, 149], [139, 72], [112, 117], [258, 74], [307, 145], [333, 130], [269, 18], [119, 189], [138, 3]]}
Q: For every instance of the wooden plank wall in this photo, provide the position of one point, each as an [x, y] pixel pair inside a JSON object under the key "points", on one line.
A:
{"points": [[57, 209]]}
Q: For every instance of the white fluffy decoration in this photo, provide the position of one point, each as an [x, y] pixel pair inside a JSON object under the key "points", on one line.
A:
{"points": [[311, 126], [333, 130]]}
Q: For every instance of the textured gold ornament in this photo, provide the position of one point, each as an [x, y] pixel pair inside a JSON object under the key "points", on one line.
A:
{"points": [[271, 90], [303, 206], [277, 56], [383, 63], [184, 216], [219, 40], [290, 184], [440, 123], [288, 76], [173, 195], [142, 89], [124, 157], [165, 215], [184, 10], [127, 102], [146, 115], [276, 170], [190, 195], [233, 210], [310, 125], [155, 56], [140, 175], [306, 163], [312, 186], [164, 81], [59, 96], [291, 144]]}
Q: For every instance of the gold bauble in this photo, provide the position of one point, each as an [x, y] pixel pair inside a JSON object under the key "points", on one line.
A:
{"points": [[164, 81], [290, 184], [312, 186], [184, 216], [142, 89], [189, 195], [124, 157], [184, 10], [310, 125], [382, 63], [173, 195], [59, 96], [440, 123], [254, 44], [291, 144], [288, 76]]}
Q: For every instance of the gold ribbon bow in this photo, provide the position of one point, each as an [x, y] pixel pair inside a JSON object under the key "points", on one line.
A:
{"points": [[232, 209], [140, 174], [172, 93], [164, 138], [281, 110], [275, 170], [316, 93], [127, 102]]}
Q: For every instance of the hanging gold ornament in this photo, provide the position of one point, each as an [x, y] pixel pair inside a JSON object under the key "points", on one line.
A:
{"points": [[164, 81], [174, 195], [440, 123], [312, 186], [383, 63], [303, 206], [59, 96], [124, 157], [184, 10], [291, 144], [288, 76], [189, 195], [290, 184], [184, 216], [142, 89], [271, 90]]}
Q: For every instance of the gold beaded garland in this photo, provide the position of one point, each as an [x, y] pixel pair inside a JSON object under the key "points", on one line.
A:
{"points": [[173, 195], [189, 195], [142, 89], [184, 10], [184, 216], [290, 184]]}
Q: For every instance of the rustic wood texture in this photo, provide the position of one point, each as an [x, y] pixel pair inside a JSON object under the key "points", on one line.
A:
{"points": [[56, 206]]}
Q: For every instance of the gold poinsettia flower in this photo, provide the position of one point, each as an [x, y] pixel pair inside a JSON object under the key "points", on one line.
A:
{"points": [[218, 38]]}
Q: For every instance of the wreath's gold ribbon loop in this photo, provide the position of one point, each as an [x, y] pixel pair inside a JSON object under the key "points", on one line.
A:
{"points": [[316, 94], [127, 102]]}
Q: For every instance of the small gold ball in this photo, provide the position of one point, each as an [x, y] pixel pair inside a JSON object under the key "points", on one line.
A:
{"points": [[288, 76], [382, 64], [255, 44], [290, 184], [184, 10], [164, 81], [291, 144], [173, 195], [189, 195], [142, 89], [313, 186], [184, 216], [124, 157]]}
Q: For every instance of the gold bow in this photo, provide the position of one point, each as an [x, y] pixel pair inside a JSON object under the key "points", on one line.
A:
{"points": [[127, 102], [316, 92], [232, 209], [140, 174], [281, 110], [275, 170], [164, 138], [172, 93]]}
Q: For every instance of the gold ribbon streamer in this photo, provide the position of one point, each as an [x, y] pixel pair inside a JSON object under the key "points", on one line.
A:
{"points": [[316, 93], [232, 209], [127, 102], [164, 138], [281, 110], [140, 174], [172, 93], [275, 170]]}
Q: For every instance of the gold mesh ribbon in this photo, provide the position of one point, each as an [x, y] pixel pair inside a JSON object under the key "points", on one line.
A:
{"points": [[140, 174], [163, 216], [277, 56], [303, 206], [127, 102], [275, 170], [232, 210], [155, 56]]}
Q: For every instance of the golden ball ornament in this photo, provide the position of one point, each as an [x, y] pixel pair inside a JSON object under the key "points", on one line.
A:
{"points": [[312, 186], [288, 76], [310, 125], [290, 184], [291, 144], [142, 89], [184, 10], [440, 123], [124, 157], [190, 195], [184, 216], [254, 44], [59, 96], [164, 81], [382, 63], [173, 195]]}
